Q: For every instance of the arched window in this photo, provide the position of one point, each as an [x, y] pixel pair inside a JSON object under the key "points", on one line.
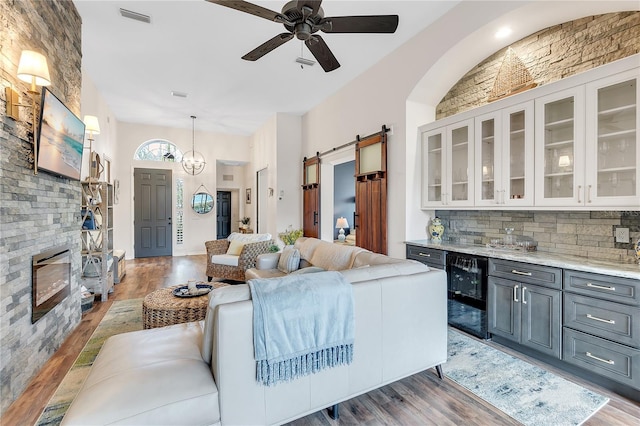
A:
{"points": [[158, 150]]}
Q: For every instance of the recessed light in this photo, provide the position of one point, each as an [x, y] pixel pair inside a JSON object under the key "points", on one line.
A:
{"points": [[503, 32]]}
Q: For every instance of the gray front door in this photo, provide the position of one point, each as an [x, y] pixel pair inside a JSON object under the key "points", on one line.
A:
{"points": [[152, 218]]}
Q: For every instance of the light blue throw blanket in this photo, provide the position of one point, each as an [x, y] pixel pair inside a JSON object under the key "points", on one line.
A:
{"points": [[302, 324]]}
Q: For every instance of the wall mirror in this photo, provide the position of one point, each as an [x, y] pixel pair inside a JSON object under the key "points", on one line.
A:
{"points": [[202, 201]]}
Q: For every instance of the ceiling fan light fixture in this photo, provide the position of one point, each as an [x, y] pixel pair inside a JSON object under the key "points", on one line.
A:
{"points": [[305, 61], [192, 161]]}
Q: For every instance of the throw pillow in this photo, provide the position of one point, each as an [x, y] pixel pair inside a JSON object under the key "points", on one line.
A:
{"points": [[235, 248], [289, 260]]}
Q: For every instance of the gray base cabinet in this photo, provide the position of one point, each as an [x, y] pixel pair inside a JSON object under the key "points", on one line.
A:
{"points": [[602, 325], [526, 314]]}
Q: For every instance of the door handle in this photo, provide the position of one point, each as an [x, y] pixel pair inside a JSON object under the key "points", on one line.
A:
{"points": [[315, 218], [515, 293], [579, 192], [524, 301], [515, 271]]}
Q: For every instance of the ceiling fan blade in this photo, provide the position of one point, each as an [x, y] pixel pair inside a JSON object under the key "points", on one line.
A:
{"points": [[311, 4], [253, 9], [267, 47], [361, 24], [322, 53]]}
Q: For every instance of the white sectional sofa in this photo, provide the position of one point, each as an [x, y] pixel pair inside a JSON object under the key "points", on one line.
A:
{"points": [[205, 373]]}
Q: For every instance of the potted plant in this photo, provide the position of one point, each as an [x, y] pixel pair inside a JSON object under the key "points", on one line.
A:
{"points": [[290, 236], [245, 222]]}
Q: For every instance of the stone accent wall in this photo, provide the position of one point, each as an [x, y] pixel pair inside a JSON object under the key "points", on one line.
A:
{"points": [[586, 234], [550, 55], [37, 212]]}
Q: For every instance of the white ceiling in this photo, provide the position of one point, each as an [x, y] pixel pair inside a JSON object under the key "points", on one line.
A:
{"points": [[194, 46]]}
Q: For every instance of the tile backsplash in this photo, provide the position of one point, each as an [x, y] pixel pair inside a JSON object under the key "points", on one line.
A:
{"points": [[589, 234]]}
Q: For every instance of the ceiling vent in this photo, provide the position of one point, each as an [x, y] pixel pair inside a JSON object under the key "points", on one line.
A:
{"points": [[135, 16], [228, 178]]}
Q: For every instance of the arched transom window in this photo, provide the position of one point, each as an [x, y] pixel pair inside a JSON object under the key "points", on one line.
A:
{"points": [[158, 150]]}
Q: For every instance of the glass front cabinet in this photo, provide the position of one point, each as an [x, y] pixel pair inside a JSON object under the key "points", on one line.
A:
{"points": [[612, 151], [447, 172], [504, 148], [560, 149], [569, 144]]}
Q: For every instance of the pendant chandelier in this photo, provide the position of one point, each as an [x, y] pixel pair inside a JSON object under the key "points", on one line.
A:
{"points": [[192, 161]]}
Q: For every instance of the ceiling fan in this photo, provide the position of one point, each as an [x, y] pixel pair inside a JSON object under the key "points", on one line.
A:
{"points": [[304, 18]]}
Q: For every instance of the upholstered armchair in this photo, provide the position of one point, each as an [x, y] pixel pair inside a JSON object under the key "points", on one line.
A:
{"points": [[231, 257]]}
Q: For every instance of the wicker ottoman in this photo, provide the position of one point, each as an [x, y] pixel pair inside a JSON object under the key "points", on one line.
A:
{"points": [[161, 308]]}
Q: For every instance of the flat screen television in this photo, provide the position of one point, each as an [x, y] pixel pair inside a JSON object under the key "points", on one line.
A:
{"points": [[60, 138]]}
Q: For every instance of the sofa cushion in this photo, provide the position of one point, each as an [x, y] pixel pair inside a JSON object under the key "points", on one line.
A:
{"points": [[289, 260], [252, 273], [154, 376], [308, 270], [225, 259], [235, 248], [334, 257]]}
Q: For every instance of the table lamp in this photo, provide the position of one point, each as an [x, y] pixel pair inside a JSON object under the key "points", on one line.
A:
{"points": [[341, 223]]}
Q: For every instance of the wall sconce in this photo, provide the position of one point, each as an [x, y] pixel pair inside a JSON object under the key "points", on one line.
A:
{"points": [[91, 128], [33, 69], [341, 223], [192, 161]]}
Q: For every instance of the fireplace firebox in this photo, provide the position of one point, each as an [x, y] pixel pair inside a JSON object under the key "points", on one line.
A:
{"points": [[51, 280]]}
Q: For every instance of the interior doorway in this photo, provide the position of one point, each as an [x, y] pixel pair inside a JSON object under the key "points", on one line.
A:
{"points": [[262, 178], [223, 214], [344, 195]]}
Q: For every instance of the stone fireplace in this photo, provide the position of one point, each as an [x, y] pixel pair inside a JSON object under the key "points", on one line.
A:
{"points": [[39, 212], [50, 280]]}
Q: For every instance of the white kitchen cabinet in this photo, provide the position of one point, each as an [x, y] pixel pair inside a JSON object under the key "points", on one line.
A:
{"points": [[571, 144], [447, 172], [560, 149], [612, 150], [504, 149]]}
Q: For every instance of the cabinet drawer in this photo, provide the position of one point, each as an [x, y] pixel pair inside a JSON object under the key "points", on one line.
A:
{"points": [[526, 273], [432, 257], [616, 289], [614, 361], [613, 321]]}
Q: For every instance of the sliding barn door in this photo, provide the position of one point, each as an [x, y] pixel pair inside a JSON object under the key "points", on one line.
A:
{"points": [[371, 193], [311, 197]]}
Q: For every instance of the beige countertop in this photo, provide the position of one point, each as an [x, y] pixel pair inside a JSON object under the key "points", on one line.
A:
{"points": [[576, 263]]}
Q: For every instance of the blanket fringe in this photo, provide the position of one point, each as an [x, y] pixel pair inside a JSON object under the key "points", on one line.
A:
{"points": [[283, 371]]}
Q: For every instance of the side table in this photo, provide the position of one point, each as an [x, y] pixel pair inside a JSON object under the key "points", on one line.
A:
{"points": [[161, 308]]}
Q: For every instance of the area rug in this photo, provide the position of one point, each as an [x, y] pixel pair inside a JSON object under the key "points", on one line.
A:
{"points": [[525, 392], [122, 316]]}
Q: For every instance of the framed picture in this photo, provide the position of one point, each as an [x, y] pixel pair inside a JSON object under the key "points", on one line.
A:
{"points": [[248, 196]]}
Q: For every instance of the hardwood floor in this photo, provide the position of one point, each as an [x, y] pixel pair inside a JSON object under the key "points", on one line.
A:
{"points": [[421, 399]]}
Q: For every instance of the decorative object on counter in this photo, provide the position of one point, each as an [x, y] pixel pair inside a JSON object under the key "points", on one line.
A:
{"points": [[520, 243], [638, 250], [436, 230], [508, 239]]}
